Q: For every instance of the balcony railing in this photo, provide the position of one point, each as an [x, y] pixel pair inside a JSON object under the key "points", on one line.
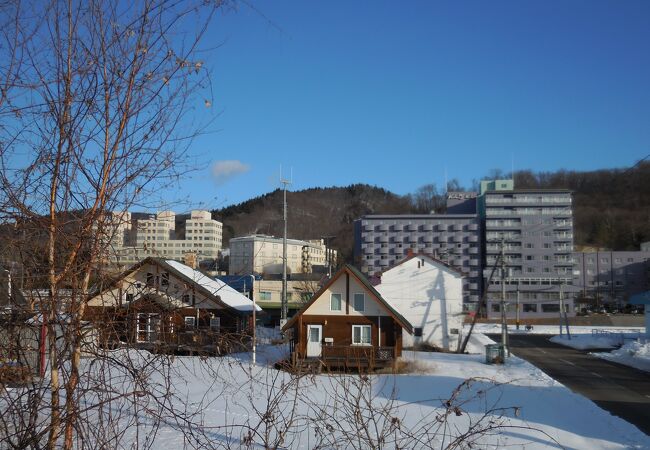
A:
{"points": [[354, 356]]}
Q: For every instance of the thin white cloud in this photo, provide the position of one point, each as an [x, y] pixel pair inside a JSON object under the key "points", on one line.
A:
{"points": [[222, 171]]}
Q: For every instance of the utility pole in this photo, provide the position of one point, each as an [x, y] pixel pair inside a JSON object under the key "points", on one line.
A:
{"points": [[563, 315], [285, 306], [254, 317], [504, 320], [517, 304]]}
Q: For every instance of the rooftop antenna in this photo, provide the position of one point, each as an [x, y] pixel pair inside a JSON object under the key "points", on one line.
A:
{"points": [[512, 168], [284, 304]]}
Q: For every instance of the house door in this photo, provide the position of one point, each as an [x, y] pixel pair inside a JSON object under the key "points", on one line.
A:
{"points": [[314, 340]]}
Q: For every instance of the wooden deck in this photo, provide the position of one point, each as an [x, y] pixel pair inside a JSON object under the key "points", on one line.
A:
{"points": [[348, 357]]}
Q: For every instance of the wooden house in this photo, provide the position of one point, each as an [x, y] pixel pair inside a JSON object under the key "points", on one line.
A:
{"points": [[166, 306], [347, 325]]}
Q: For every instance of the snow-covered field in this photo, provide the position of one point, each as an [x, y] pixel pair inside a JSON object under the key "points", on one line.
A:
{"points": [[233, 403], [444, 401]]}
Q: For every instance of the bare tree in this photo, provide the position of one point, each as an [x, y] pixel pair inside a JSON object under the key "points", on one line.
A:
{"points": [[95, 98]]}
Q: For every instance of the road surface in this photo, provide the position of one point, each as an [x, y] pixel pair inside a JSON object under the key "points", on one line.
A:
{"points": [[621, 390]]}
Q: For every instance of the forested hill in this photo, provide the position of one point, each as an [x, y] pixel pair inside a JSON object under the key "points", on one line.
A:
{"points": [[312, 213], [611, 208]]}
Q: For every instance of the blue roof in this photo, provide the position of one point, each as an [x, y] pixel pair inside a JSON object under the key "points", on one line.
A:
{"points": [[241, 283], [642, 298]]}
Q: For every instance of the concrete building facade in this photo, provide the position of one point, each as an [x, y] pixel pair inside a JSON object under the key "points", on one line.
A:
{"points": [[535, 228], [382, 240], [165, 235], [261, 254], [611, 276]]}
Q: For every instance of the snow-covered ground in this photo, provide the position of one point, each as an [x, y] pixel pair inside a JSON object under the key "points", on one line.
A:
{"points": [[633, 353], [227, 402], [230, 402]]}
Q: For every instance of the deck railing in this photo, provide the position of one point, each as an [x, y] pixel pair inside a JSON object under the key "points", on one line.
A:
{"points": [[357, 355]]}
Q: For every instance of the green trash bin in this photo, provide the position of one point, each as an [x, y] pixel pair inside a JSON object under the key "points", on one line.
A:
{"points": [[495, 354]]}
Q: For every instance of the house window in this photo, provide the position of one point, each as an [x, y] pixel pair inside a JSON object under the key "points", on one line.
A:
{"points": [[359, 302], [361, 334], [147, 326], [530, 307], [186, 298], [129, 298], [335, 302], [215, 323], [165, 279], [265, 295], [150, 279], [417, 332], [190, 321]]}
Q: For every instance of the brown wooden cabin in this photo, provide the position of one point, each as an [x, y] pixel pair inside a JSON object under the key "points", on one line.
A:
{"points": [[347, 325], [165, 306]]}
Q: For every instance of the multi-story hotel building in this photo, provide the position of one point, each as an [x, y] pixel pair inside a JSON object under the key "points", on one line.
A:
{"points": [[165, 234], [261, 254], [383, 240], [535, 228]]}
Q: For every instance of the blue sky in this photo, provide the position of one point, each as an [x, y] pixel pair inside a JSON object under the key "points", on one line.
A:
{"points": [[395, 93]]}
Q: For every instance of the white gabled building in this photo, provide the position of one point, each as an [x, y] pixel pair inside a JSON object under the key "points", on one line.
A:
{"points": [[429, 294]]}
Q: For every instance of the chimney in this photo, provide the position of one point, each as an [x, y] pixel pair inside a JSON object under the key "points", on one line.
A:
{"points": [[409, 252]]}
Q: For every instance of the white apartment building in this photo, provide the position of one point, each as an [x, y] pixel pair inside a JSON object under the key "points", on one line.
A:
{"points": [[163, 235], [263, 254]]}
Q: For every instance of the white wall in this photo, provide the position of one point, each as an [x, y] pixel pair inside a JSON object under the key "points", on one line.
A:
{"points": [[430, 297]]}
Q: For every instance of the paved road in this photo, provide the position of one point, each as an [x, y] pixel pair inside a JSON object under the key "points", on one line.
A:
{"points": [[621, 390]]}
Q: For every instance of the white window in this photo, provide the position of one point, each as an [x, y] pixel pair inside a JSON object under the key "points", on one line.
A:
{"points": [[361, 334], [215, 323], [190, 321], [335, 302], [359, 302]]}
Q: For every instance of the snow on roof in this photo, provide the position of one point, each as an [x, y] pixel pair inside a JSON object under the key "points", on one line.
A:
{"points": [[227, 294]]}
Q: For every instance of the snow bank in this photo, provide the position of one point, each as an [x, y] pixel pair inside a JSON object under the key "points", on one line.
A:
{"points": [[477, 343], [495, 328], [634, 354], [588, 341]]}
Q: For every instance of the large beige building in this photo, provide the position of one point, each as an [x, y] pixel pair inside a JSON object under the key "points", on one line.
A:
{"points": [[163, 235], [263, 255]]}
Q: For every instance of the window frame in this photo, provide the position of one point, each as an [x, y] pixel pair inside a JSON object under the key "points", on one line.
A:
{"points": [[187, 325], [361, 342], [354, 301], [340, 298]]}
